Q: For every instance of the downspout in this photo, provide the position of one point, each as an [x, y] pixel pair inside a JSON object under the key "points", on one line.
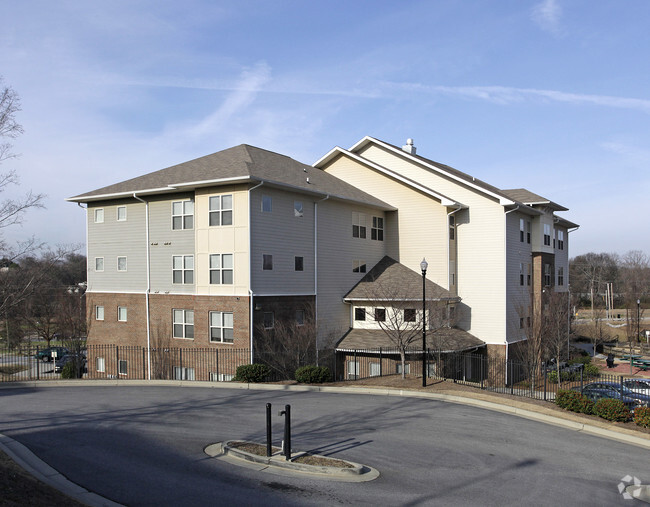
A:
{"points": [[316, 269], [456, 239], [146, 294], [86, 320], [505, 264], [250, 270]]}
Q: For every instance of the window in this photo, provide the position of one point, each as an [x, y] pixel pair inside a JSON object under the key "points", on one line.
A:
{"points": [[267, 262], [181, 373], [99, 216], [358, 225], [554, 242], [297, 209], [521, 273], [221, 327], [547, 235], [182, 215], [300, 317], [221, 269], [528, 232], [521, 322], [220, 210], [121, 213], [99, 264], [375, 369], [522, 230], [409, 315], [358, 266], [452, 273], [528, 274], [380, 314], [360, 314], [183, 269], [407, 368], [183, 324], [121, 313], [452, 228], [267, 204], [547, 275], [220, 377], [99, 313], [298, 263], [121, 263], [377, 230], [560, 240], [122, 367], [560, 276], [269, 320], [353, 370], [100, 364]]}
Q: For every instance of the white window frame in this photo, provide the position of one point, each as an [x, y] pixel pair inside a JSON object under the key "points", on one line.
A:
{"points": [[224, 322], [185, 213], [219, 208], [407, 368], [220, 377], [374, 369], [377, 229], [560, 276], [360, 314], [359, 225], [267, 260], [99, 312], [185, 268], [352, 369], [99, 215], [359, 266], [100, 364], [267, 204], [185, 323], [547, 235], [560, 240], [298, 210], [123, 367], [184, 373], [123, 219], [99, 259], [521, 274], [522, 229], [121, 314], [222, 266], [125, 263]]}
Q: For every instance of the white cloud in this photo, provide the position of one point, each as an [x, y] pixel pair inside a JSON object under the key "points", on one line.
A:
{"points": [[547, 15]]}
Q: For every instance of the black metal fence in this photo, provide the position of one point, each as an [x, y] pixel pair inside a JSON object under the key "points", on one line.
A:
{"points": [[220, 365]]}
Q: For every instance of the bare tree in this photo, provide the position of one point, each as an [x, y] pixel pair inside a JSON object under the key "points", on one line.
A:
{"points": [[555, 325], [289, 344], [590, 272], [160, 351]]}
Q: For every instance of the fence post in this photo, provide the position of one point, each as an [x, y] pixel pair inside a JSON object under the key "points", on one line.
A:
{"points": [[381, 363], [144, 369], [356, 365], [545, 388], [217, 370], [512, 384], [117, 361]]}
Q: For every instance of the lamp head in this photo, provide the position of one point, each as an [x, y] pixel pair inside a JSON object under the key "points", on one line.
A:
{"points": [[424, 265]]}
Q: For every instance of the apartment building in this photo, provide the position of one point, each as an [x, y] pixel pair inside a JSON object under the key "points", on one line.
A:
{"points": [[203, 253]]}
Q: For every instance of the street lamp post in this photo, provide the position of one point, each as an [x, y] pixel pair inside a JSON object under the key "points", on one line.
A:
{"points": [[423, 267], [638, 319]]}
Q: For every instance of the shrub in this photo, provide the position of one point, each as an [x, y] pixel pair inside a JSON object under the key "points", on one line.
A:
{"points": [[582, 359], [612, 410], [591, 370], [642, 417], [313, 374], [70, 370], [574, 401], [252, 373], [566, 376]]}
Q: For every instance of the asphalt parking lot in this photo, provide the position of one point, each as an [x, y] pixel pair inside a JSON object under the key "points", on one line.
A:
{"points": [[143, 445]]}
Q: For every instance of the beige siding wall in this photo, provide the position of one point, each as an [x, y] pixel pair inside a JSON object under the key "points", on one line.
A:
{"points": [[423, 227], [337, 250], [284, 236], [112, 239], [226, 239]]}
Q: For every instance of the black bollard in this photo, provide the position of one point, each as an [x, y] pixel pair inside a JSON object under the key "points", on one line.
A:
{"points": [[287, 431], [268, 430]]}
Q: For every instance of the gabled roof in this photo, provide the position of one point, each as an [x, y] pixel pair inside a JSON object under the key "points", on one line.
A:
{"points": [[389, 279], [530, 199], [437, 167], [444, 340], [239, 164]]}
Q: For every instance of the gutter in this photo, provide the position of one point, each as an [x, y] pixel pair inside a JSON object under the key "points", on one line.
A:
{"points": [[146, 294], [250, 270]]}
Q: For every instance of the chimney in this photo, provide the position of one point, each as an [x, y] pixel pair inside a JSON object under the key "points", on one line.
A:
{"points": [[408, 147]]}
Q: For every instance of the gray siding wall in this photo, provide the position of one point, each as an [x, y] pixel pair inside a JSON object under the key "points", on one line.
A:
{"points": [[165, 243], [112, 239], [284, 236], [518, 296]]}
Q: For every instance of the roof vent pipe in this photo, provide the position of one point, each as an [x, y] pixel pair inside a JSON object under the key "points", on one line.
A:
{"points": [[408, 147]]}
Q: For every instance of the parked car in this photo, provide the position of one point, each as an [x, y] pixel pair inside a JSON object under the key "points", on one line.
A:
{"points": [[638, 385], [46, 354], [79, 360], [598, 390]]}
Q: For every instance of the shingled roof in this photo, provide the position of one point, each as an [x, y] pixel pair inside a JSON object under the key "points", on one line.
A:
{"points": [[529, 198], [237, 164], [389, 277], [444, 340]]}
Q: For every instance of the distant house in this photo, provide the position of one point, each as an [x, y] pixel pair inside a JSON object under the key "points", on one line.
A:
{"points": [[202, 253]]}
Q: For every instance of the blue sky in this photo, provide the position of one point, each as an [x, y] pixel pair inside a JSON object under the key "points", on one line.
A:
{"points": [[548, 95]]}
